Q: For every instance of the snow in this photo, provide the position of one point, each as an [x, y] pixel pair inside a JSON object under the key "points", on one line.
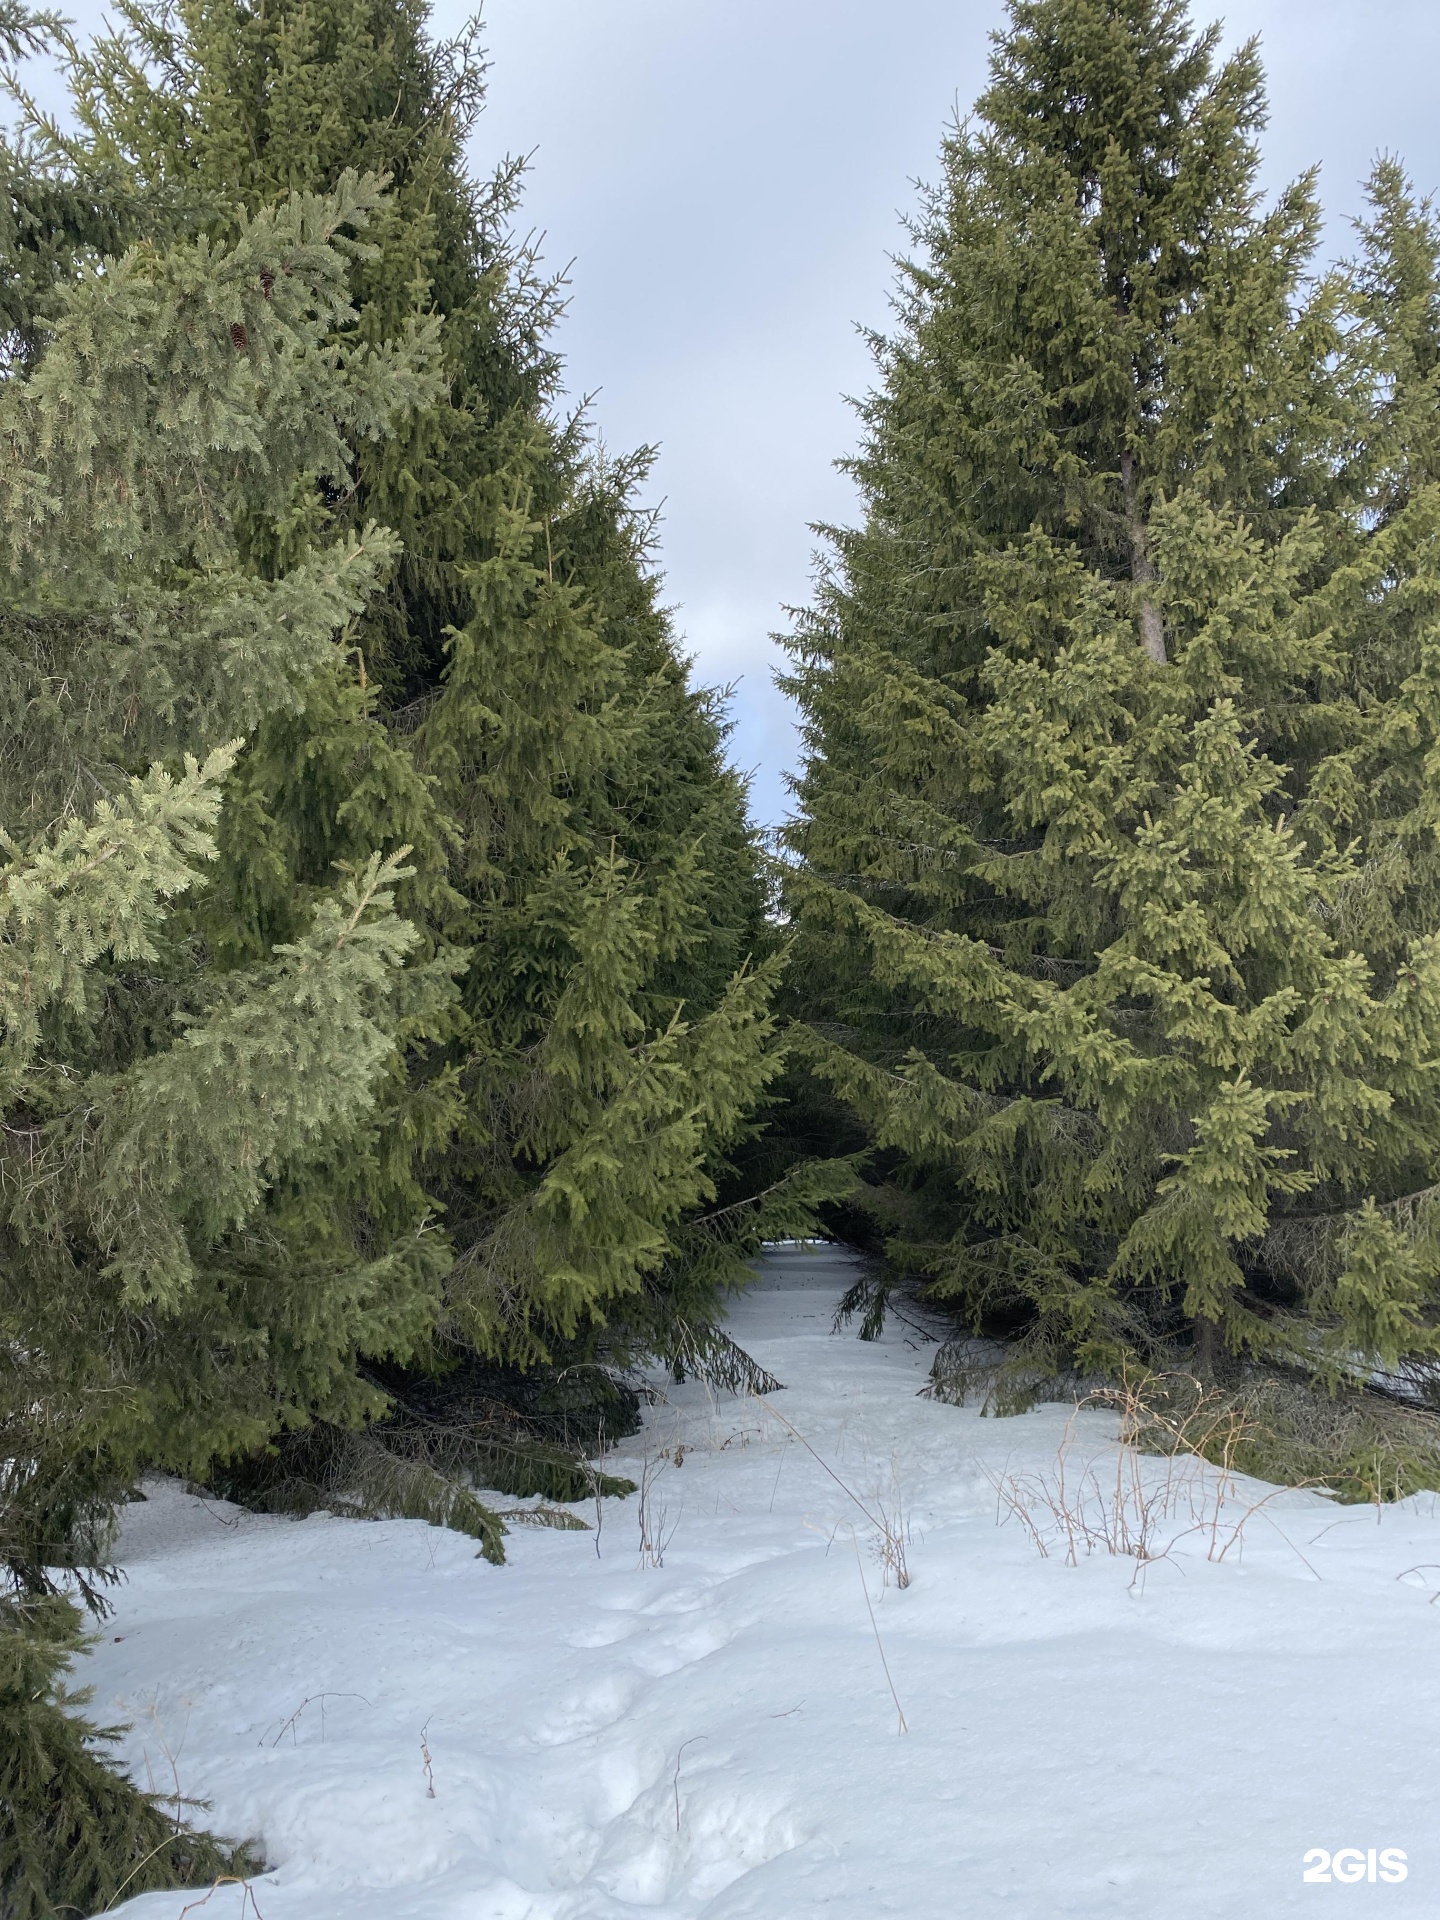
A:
{"points": [[584, 1735]]}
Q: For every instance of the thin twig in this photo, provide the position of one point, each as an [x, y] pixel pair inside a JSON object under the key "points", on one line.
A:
{"points": [[227, 1880], [875, 1628], [678, 1758]]}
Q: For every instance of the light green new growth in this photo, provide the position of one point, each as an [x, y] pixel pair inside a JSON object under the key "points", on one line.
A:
{"points": [[169, 1289]]}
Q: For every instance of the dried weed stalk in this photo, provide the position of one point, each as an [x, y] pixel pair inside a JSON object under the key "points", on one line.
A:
{"points": [[886, 1516], [1122, 1506]]}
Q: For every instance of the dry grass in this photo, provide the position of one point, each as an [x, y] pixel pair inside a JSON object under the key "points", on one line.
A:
{"points": [[1114, 1501], [1358, 1446], [657, 1528]]}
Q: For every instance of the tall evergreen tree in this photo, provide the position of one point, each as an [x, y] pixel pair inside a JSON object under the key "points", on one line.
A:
{"points": [[1115, 852], [515, 710], [156, 1100], [167, 1290]]}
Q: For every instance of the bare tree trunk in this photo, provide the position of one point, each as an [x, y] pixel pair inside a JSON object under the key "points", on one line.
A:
{"points": [[1207, 1348], [1142, 567]]}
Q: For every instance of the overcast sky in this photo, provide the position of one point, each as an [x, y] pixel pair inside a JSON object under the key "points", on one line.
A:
{"points": [[727, 177]]}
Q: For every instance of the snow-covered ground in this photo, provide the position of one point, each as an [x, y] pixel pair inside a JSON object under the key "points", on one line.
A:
{"points": [[585, 1734]]}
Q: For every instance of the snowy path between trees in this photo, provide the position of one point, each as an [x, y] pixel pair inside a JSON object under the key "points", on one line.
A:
{"points": [[581, 1735]]}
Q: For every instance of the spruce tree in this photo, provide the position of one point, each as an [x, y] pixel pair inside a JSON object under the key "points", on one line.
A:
{"points": [[1115, 850], [167, 1290], [515, 709], [160, 1105], [75, 1836]]}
